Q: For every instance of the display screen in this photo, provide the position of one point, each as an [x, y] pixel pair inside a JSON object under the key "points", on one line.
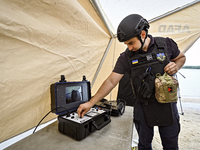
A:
{"points": [[73, 94], [69, 95]]}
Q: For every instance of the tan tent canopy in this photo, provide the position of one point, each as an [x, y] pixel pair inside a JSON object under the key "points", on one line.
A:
{"points": [[42, 39], [182, 25]]}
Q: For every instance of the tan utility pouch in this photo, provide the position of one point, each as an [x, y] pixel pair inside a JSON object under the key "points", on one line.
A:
{"points": [[166, 88]]}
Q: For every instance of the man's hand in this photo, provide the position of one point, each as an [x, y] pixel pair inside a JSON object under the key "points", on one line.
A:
{"points": [[84, 108], [104, 90], [175, 64], [171, 68]]}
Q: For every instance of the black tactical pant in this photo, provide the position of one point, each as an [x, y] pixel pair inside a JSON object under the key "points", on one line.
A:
{"points": [[168, 134]]}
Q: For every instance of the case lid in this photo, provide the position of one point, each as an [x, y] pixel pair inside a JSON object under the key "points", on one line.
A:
{"points": [[69, 95]]}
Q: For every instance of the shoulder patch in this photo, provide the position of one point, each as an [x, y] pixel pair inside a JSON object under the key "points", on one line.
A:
{"points": [[161, 57]]}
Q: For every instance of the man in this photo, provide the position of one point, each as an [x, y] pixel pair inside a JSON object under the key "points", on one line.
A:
{"points": [[145, 57]]}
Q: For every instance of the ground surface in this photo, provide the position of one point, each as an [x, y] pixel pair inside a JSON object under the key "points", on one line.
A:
{"points": [[189, 137]]}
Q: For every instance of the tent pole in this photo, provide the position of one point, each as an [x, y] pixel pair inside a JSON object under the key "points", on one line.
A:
{"points": [[179, 94], [95, 4], [102, 60], [174, 11]]}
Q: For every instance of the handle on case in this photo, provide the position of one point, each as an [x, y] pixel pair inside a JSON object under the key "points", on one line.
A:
{"points": [[103, 124]]}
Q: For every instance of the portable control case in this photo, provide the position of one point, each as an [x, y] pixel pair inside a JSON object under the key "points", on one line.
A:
{"points": [[117, 106], [66, 98]]}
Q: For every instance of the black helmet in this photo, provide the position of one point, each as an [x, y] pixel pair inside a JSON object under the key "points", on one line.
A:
{"points": [[131, 26]]}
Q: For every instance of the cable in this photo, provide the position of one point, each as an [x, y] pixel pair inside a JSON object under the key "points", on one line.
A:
{"points": [[48, 114], [182, 75]]}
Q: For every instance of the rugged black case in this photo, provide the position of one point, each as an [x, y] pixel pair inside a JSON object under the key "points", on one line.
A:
{"points": [[77, 131], [80, 131]]}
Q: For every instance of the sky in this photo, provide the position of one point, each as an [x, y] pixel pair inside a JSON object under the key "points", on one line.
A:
{"points": [[116, 10], [193, 54]]}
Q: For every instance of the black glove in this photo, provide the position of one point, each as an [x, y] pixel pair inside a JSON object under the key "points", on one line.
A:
{"points": [[147, 86], [145, 90]]}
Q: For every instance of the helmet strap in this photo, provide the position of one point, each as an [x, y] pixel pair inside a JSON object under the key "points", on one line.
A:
{"points": [[142, 43]]}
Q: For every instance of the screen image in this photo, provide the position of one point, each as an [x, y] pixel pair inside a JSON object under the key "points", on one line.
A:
{"points": [[73, 94]]}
